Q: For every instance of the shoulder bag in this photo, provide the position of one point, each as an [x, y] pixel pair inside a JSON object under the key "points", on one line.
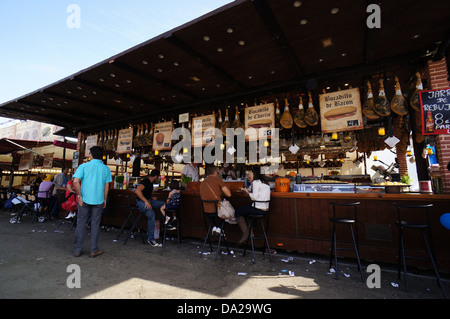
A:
{"points": [[224, 208]]}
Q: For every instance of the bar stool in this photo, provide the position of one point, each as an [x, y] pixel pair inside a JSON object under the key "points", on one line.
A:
{"points": [[128, 211], [423, 227], [127, 216], [176, 213], [210, 216], [252, 218], [349, 222]]}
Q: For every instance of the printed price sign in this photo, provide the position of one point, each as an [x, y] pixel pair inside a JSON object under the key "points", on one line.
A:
{"points": [[340, 111], [435, 105]]}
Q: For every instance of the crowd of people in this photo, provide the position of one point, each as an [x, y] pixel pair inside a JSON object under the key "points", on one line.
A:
{"points": [[87, 192]]}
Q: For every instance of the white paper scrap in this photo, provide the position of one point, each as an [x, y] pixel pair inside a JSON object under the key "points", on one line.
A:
{"points": [[294, 148], [391, 141]]}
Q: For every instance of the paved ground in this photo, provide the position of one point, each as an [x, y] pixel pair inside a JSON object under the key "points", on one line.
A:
{"points": [[34, 261]]}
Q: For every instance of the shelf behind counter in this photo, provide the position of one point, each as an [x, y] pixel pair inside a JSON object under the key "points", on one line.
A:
{"points": [[301, 222]]}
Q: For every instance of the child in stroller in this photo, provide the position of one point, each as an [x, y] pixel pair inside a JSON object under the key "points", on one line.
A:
{"points": [[71, 203]]}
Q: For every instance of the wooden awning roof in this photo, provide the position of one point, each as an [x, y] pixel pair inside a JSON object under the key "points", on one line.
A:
{"points": [[237, 53], [10, 145]]}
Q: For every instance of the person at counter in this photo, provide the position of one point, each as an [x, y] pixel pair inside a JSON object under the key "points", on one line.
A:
{"points": [[45, 188], [226, 172], [147, 204], [37, 181], [60, 181], [260, 191], [191, 170], [212, 188]]}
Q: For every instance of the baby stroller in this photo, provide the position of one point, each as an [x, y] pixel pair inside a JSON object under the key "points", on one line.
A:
{"points": [[26, 207]]}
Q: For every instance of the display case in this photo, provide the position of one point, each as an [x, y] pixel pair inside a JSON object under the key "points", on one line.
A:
{"points": [[368, 189], [324, 188]]}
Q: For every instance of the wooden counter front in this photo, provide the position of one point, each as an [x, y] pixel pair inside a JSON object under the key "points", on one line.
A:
{"points": [[301, 222]]}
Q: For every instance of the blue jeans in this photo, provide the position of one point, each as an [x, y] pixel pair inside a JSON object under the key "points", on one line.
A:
{"points": [[95, 211], [149, 212]]}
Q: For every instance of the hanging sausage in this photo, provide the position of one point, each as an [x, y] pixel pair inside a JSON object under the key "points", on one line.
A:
{"points": [[137, 137], [286, 119], [108, 141], [398, 103], [277, 115], [237, 121], [415, 100], [381, 106], [219, 121], [115, 139], [300, 115], [311, 116], [225, 124], [368, 105]]}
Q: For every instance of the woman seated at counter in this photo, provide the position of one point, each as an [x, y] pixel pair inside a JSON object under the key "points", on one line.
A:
{"points": [[260, 191], [212, 189]]}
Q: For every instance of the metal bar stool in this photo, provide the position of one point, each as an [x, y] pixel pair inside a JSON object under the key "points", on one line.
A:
{"points": [[127, 214], [349, 222], [131, 209], [210, 216], [423, 227], [174, 212], [253, 218]]}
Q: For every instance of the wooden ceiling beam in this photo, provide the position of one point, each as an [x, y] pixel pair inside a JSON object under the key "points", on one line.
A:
{"points": [[57, 120], [157, 81], [119, 94], [45, 108], [100, 106], [272, 26], [204, 61]]}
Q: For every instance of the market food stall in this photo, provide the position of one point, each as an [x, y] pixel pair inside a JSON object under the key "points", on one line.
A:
{"points": [[310, 93]]}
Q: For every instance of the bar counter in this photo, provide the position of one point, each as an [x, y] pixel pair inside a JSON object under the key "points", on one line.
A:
{"points": [[301, 222]]}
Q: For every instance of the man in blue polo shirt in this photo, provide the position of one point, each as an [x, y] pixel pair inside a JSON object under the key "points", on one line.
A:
{"points": [[91, 182]]}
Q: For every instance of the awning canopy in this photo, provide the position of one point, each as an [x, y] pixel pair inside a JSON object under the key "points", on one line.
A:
{"points": [[240, 51], [9, 145]]}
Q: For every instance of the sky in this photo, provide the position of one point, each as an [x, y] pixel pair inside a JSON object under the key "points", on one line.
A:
{"points": [[44, 41]]}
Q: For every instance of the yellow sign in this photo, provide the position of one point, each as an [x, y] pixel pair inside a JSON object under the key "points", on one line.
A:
{"points": [[203, 130], [341, 111], [259, 121], [162, 136], [125, 141]]}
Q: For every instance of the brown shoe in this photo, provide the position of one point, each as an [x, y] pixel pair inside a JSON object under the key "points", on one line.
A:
{"points": [[76, 254], [95, 254]]}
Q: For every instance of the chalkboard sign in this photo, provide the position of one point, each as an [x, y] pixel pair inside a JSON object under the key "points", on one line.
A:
{"points": [[435, 106]]}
